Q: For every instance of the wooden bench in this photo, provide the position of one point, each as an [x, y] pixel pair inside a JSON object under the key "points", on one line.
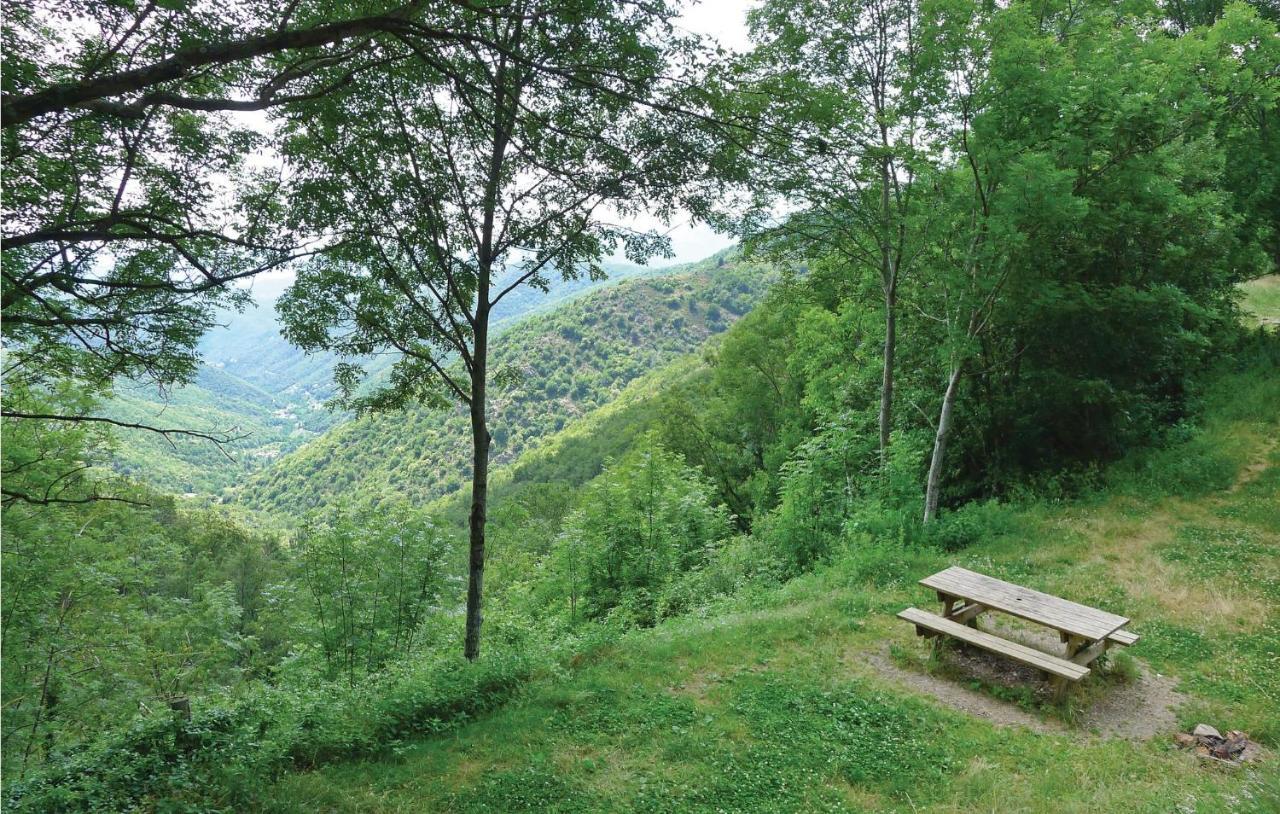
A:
{"points": [[931, 624], [965, 595]]}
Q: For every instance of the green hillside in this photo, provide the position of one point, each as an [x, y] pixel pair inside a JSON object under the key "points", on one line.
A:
{"points": [[218, 404], [249, 345], [565, 363], [813, 697], [267, 394], [262, 425]]}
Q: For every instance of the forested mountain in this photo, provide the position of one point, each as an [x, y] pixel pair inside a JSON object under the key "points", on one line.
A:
{"points": [[561, 365], [267, 395]]}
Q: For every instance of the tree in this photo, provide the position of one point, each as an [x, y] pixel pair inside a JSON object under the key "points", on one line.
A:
{"points": [[128, 211], [449, 185], [369, 581], [1093, 238], [645, 521], [739, 425], [841, 147], [131, 203]]}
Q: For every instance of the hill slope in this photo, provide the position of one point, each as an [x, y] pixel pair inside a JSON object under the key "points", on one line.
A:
{"points": [[271, 396], [570, 361], [813, 697]]}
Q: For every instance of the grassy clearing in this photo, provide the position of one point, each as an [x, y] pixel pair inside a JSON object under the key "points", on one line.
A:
{"points": [[775, 703], [1262, 299]]}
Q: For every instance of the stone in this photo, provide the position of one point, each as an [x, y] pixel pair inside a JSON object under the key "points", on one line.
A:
{"points": [[1205, 731]]}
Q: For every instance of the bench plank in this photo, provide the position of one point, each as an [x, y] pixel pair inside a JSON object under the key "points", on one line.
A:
{"points": [[995, 644], [1061, 614]]}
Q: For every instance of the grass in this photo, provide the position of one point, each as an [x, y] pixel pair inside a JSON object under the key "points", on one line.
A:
{"points": [[775, 702], [1262, 299]]}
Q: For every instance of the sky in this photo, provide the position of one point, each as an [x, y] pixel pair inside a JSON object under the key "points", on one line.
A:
{"points": [[726, 22]]}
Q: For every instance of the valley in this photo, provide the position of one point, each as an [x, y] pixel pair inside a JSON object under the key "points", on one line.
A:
{"points": [[360, 454], [270, 398], [563, 363]]}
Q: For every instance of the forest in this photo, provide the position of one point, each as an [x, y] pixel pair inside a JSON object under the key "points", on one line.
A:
{"points": [[364, 450]]}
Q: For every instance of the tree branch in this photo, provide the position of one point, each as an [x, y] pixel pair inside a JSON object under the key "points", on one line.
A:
{"points": [[217, 440]]}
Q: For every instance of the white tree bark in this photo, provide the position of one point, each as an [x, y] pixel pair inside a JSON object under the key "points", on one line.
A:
{"points": [[940, 444]]}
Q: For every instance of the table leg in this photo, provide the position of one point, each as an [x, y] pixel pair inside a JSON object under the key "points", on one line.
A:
{"points": [[1059, 686], [1074, 645], [948, 602]]}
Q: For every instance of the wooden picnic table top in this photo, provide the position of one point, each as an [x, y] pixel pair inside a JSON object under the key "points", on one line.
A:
{"points": [[1051, 611]]}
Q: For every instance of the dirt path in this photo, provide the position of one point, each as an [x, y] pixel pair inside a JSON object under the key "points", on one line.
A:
{"points": [[1254, 469]]}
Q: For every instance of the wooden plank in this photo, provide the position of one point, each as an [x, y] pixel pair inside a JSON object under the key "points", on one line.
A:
{"points": [[995, 644], [1086, 656], [966, 614], [1052, 611], [1123, 637]]}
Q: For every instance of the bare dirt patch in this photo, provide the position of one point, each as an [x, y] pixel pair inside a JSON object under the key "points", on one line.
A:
{"points": [[952, 694], [1138, 709]]}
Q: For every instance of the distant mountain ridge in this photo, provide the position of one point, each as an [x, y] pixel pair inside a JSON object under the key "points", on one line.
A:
{"points": [[573, 359], [269, 395]]}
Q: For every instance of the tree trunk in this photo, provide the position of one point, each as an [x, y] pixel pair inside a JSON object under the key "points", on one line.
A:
{"points": [[940, 445], [886, 385], [480, 440], [889, 284]]}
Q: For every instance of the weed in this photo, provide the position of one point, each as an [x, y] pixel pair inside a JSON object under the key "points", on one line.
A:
{"points": [[1122, 667]]}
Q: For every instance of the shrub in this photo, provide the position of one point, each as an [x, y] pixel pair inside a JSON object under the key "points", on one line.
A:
{"points": [[641, 524], [743, 561], [971, 523], [228, 752]]}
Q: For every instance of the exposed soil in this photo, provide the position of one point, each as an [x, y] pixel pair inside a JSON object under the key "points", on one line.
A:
{"points": [[957, 696], [1138, 709]]}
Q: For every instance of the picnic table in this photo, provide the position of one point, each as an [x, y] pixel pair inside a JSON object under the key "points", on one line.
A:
{"points": [[1086, 632]]}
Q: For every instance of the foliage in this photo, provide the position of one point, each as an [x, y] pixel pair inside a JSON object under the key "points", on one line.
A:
{"points": [[220, 758], [644, 521], [1074, 240], [111, 608], [370, 579]]}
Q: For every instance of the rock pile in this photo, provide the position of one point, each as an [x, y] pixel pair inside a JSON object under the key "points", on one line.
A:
{"points": [[1208, 742]]}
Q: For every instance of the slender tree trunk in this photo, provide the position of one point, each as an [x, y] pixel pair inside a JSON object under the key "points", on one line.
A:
{"points": [[886, 385], [940, 445], [480, 440], [889, 284]]}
